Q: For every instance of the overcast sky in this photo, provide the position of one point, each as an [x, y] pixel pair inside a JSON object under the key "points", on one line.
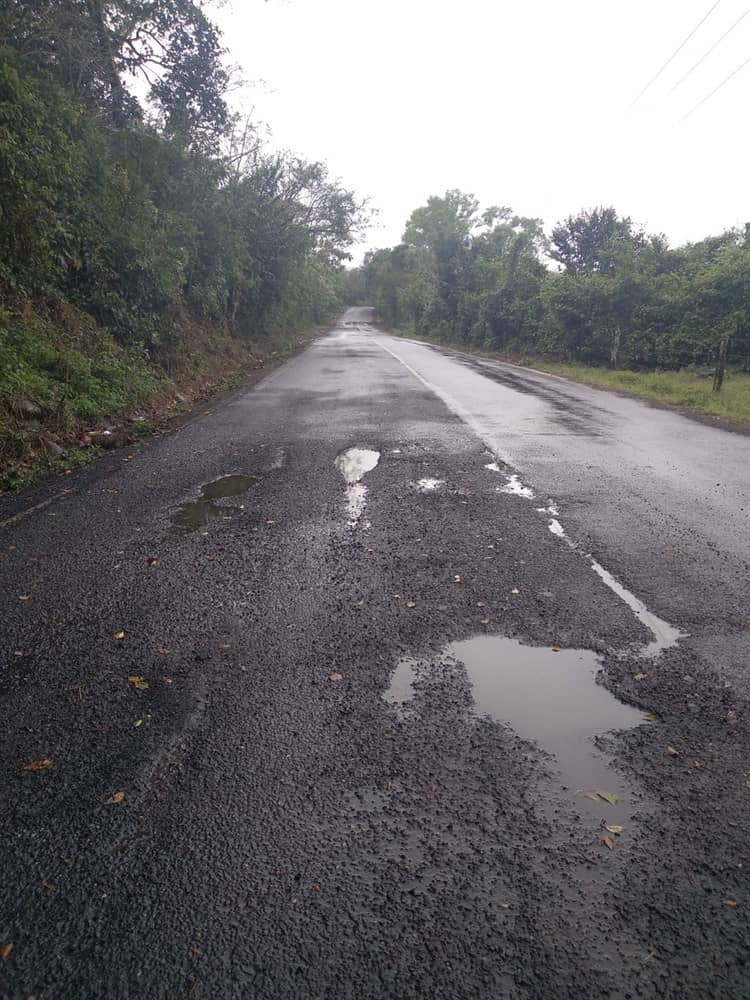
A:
{"points": [[526, 103]]}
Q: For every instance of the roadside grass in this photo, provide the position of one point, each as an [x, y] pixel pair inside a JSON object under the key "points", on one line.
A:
{"points": [[683, 389]]}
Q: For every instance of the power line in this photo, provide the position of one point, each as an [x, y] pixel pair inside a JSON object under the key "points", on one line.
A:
{"points": [[716, 89], [708, 53], [679, 49]]}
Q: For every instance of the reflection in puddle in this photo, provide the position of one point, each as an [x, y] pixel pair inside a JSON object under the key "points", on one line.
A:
{"points": [[198, 513], [549, 697], [515, 487], [428, 485], [353, 464]]}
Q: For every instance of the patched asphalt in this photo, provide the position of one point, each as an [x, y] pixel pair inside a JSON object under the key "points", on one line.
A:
{"points": [[285, 834]]}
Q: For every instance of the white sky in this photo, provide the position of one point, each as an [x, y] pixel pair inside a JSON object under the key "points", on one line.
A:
{"points": [[522, 103]]}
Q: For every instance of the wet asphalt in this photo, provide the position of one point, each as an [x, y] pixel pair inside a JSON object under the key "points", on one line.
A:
{"points": [[285, 740]]}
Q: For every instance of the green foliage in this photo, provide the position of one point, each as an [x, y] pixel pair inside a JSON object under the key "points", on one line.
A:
{"points": [[622, 298], [83, 377]]}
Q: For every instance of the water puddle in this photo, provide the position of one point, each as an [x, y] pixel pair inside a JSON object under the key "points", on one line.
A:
{"points": [[428, 485], [353, 464], [551, 698], [515, 487], [198, 513]]}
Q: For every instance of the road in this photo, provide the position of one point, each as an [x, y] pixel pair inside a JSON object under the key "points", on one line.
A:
{"points": [[401, 674]]}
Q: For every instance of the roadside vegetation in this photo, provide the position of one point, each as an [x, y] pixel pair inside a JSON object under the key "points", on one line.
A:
{"points": [[150, 246], [598, 299]]}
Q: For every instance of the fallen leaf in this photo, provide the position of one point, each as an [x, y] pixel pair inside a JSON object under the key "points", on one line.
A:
{"points": [[484, 621], [17, 652], [727, 684], [411, 604], [640, 677], [607, 796], [164, 651], [555, 649], [614, 828], [335, 677], [119, 635], [505, 906], [6, 950], [225, 645], [24, 597], [138, 682], [730, 902], [151, 561], [38, 765], [138, 723], [588, 795], [671, 750], [515, 591], [649, 717], [114, 798], [610, 843], [457, 578]]}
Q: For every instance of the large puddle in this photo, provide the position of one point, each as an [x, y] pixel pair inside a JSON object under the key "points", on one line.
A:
{"points": [[198, 513], [549, 697]]}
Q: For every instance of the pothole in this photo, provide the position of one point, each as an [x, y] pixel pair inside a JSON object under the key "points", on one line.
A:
{"points": [[546, 696], [353, 464], [198, 513]]}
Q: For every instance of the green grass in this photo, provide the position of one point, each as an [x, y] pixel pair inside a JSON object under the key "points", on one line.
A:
{"points": [[21, 477], [86, 377]]}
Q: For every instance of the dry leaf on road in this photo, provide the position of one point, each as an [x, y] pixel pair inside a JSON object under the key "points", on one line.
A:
{"points": [[607, 796], [119, 635], [38, 765], [610, 843], [614, 828], [6, 950], [335, 677], [138, 682], [114, 798], [671, 751]]}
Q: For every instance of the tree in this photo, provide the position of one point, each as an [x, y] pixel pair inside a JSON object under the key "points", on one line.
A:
{"points": [[95, 46], [443, 227], [593, 242]]}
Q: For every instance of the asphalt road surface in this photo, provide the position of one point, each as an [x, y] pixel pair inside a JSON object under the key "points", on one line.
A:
{"points": [[401, 674]]}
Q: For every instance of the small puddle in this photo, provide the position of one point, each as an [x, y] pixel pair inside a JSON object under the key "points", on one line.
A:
{"points": [[551, 698], [353, 464], [428, 485], [515, 487], [198, 513]]}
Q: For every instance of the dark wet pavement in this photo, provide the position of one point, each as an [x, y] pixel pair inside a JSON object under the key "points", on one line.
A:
{"points": [[285, 828]]}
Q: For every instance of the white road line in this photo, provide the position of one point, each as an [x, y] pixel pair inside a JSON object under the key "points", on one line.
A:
{"points": [[665, 635], [30, 510]]}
